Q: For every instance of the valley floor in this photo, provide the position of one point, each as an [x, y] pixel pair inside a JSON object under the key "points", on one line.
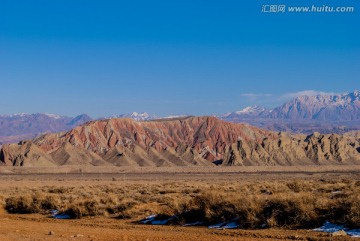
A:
{"points": [[38, 227], [151, 191]]}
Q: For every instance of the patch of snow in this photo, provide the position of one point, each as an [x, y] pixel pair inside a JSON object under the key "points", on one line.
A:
{"points": [[250, 110], [174, 116], [331, 228], [57, 215], [226, 225], [354, 233], [53, 116], [153, 220], [226, 115], [217, 225], [18, 114], [231, 225], [193, 224], [143, 116], [148, 219], [159, 222], [336, 192]]}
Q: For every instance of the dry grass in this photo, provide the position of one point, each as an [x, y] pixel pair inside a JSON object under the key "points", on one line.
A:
{"points": [[270, 203]]}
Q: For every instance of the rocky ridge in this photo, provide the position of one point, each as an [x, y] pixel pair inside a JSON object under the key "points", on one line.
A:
{"points": [[326, 113], [189, 141]]}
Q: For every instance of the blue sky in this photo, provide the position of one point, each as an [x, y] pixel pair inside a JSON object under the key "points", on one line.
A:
{"points": [[167, 57]]}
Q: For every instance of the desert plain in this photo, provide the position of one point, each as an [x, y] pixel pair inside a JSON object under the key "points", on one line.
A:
{"points": [[267, 203]]}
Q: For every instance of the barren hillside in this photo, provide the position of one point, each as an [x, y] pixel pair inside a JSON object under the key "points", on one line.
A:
{"points": [[200, 141]]}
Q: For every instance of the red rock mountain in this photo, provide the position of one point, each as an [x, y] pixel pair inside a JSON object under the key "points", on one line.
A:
{"points": [[200, 141]]}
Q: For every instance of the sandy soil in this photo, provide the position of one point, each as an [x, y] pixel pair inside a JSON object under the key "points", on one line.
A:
{"points": [[39, 227], [73, 169]]}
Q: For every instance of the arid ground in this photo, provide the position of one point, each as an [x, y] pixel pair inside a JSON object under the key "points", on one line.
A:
{"points": [[107, 205]]}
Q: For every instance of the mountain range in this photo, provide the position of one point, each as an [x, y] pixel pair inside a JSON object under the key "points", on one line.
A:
{"points": [[324, 113], [142, 116], [187, 141], [14, 128]]}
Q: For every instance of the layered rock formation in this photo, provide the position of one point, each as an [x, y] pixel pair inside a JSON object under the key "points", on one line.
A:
{"points": [[191, 141]]}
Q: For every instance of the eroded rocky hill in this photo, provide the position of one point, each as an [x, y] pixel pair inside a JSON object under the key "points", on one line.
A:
{"points": [[200, 141]]}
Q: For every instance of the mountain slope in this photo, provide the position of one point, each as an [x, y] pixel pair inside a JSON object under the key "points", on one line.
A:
{"points": [[190, 141], [18, 127], [326, 113], [336, 107]]}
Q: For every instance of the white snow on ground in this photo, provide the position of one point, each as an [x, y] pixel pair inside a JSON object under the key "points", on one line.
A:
{"points": [[152, 219], [193, 224], [155, 220], [331, 228], [226, 225], [57, 215]]}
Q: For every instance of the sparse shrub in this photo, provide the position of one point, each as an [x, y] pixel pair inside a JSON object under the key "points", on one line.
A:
{"points": [[346, 211], [75, 211], [291, 211], [21, 204], [215, 208], [36, 203], [292, 203], [82, 209], [122, 210], [353, 219], [49, 202], [295, 186]]}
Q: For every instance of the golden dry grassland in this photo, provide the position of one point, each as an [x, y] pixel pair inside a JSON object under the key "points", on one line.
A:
{"points": [[256, 201]]}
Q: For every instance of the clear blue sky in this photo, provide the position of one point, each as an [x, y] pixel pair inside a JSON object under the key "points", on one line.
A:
{"points": [[165, 57]]}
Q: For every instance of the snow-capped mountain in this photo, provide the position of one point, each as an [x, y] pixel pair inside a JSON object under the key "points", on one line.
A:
{"points": [[142, 116], [324, 107], [325, 113], [334, 107], [308, 113], [248, 112], [251, 110], [175, 116]]}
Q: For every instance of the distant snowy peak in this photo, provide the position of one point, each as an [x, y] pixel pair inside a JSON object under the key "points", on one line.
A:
{"points": [[18, 115], [324, 107], [251, 110], [325, 100], [53, 116], [142, 116], [26, 115], [319, 107], [248, 112], [175, 116]]}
